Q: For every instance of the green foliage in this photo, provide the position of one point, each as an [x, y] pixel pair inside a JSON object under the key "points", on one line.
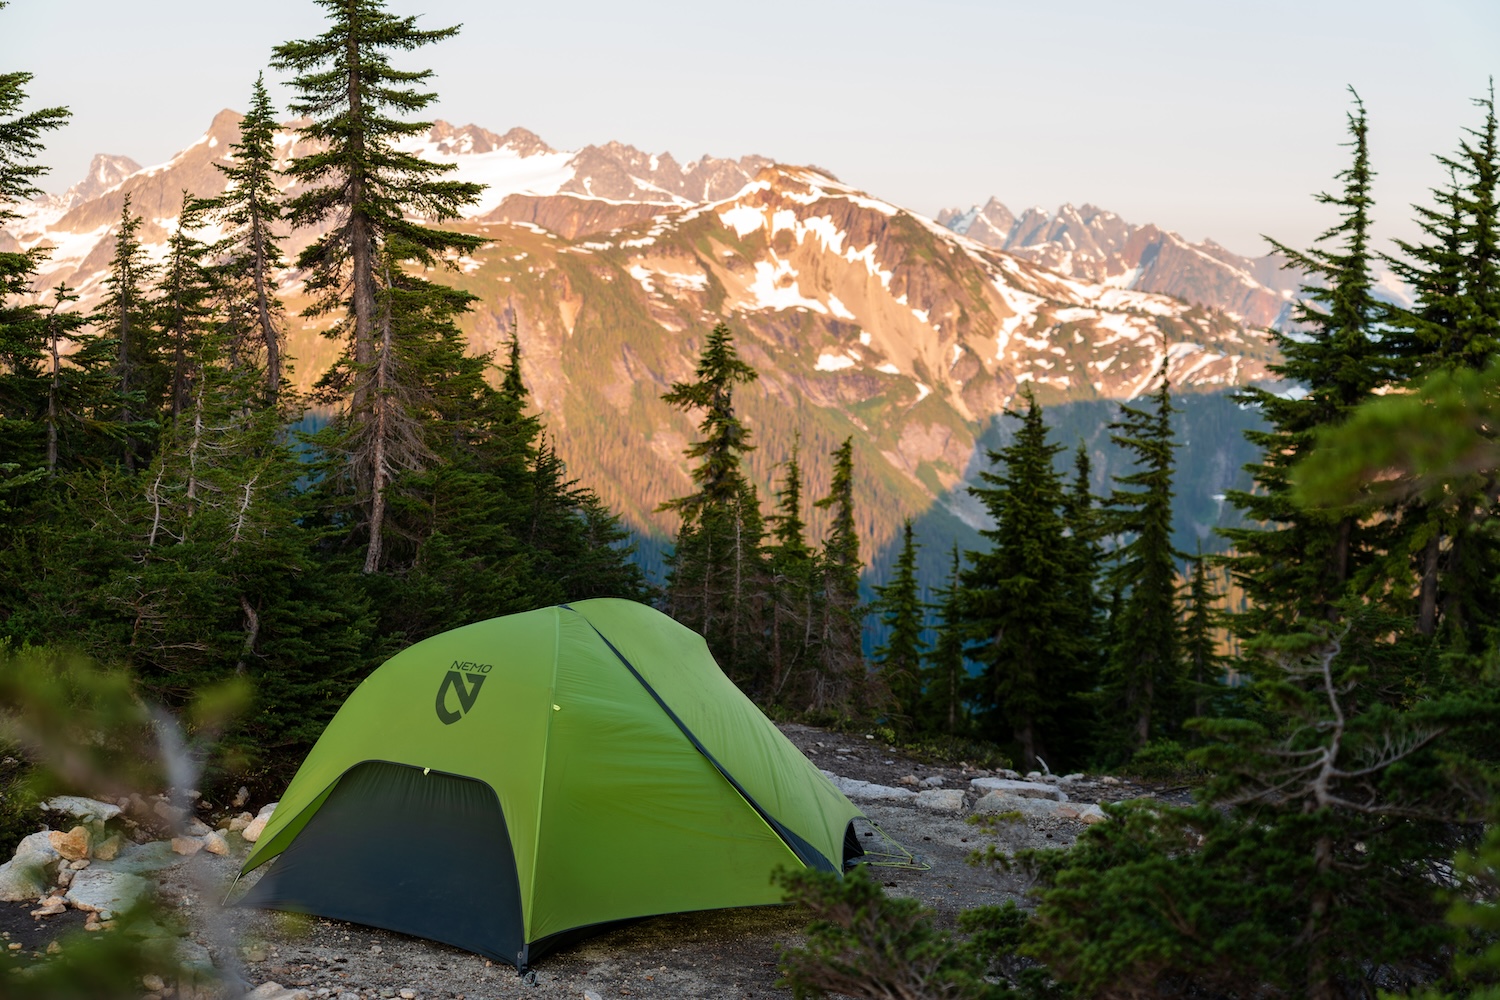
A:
{"points": [[862, 942], [839, 678], [1143, 676], [1163, 760], [899, 659], [1020, 602], [945, 679]]}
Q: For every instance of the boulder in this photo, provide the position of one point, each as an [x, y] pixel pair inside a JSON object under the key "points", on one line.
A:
{"points": [[22, 877], [865, 791], [97, 889], [73, 845], [215, 843], [1019, 789], [946, 800], [1085, 812], [85, 809], [1001, 802]]}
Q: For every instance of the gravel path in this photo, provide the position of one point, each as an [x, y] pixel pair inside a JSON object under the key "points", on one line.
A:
{"points": [[716, 954]]}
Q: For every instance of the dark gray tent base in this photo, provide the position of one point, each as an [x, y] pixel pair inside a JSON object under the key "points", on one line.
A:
{"points": [[381, 852]]}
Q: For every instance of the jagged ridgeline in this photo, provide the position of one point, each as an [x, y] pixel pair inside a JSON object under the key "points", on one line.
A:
{"points": [[862, 319]]}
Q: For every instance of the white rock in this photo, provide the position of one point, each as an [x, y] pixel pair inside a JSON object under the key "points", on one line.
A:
{"points": [[932, 781], [412, 995], [195, 827], [948, 800], [274, 991], [865, 791], [267, 809], [1020, 789], [214, 843], [22, 878], [240, 822], [100, 889], [1068, 779], [590, 995], [153, 983], [1000, 802], [1085, 812], [255, 828], [88, 810]]}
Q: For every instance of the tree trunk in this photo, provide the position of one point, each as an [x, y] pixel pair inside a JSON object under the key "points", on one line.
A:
{"points": [[53, 396], [1427, 601], [268, 330]]}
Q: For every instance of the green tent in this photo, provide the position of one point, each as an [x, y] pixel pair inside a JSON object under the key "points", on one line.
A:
{"points": [[506, 786]]}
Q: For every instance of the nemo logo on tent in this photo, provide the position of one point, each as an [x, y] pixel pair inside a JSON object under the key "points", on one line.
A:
{"points": [[467, 693]]}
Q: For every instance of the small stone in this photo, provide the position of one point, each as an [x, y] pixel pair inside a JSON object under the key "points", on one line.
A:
{"points": [[73, 845], [408, 995], [195, 827], [54, 948], [590, 995], [215, 843], [254, 952], [1109, 780], [169, 812], [254, 829], [1068, 779], [375, 949], [106, 915], [240, 798], [908, 779], [932, 781], [186, 845], [109, 849], [14, 946], [50, 910], [240, 822], [79, 866], [267, 809], [152, 982], [65, 877]]}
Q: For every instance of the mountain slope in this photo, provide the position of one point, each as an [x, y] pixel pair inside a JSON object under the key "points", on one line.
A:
{"points": [[863, 319]]}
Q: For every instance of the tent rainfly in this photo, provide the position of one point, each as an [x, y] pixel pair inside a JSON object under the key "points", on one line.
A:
{"points": [[588, 763]]}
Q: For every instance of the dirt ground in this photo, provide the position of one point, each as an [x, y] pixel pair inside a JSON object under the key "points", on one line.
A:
{"points": [[715, 954]]}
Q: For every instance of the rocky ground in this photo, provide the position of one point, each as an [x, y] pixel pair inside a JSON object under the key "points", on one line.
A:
{"points": [[727, 953]]}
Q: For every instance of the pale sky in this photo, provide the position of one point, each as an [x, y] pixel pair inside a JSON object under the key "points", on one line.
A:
{"points": [[1213, 118]]}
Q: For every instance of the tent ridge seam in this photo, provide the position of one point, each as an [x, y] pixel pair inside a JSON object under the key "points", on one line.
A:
{"points": [[782, 833]]}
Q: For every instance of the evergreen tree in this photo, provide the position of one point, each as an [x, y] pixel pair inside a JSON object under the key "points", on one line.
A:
{"points": [[23, 325], [1297, 566], [716, 555], [1143, 677], [249, 254], [126, 317], [1454, 323], [184, 303], [793, 569], [368, 194], [899, 660], [839, 683], [1020, 598], [1202, 663], [945, 683]]}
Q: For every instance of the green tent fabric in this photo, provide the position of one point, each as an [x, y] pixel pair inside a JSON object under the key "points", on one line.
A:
{"points": [[592, 756]]}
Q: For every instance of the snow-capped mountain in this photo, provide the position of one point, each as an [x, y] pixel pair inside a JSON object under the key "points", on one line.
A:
{"points": [[862, 317], [1096, 245]]}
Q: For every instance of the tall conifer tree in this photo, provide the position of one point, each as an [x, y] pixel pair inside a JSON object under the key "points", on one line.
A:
{"points": [[718, 543], [1302, 561], [250, 251], [1143, 677], [126, 317], [369, 194], [1020, 597], [899, 660], [792, 565], [840, 680], [945, 685]]}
